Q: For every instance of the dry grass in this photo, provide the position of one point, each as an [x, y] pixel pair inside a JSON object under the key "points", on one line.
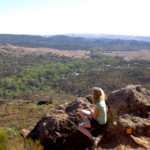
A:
{"points": [[20, 144], [132, 55], [15, 116], [18, 114], [21, 115], [25, 50]]}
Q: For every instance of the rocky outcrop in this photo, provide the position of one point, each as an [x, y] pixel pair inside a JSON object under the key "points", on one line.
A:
{"points": [[44, 101], [128, 127], [58, 130], [130, 107], [132, 99]]}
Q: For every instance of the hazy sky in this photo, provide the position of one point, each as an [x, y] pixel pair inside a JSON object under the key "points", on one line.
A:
{"points": [[130, 17]]}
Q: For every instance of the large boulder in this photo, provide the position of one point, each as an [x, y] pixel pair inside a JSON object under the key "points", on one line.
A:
{"points": [[44, 101], [58, 130], [133, 99], [130, 108]]}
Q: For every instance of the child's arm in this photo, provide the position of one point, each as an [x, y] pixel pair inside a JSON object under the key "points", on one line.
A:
{"points": [[84, 112], [95, 113]]}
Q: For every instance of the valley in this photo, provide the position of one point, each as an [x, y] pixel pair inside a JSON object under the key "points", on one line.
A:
{"points": [[32, 73]]}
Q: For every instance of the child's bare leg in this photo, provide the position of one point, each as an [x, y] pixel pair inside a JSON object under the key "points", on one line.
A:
{"points": [[82, 127], [84, 113], [85, 132], [85, 124]]}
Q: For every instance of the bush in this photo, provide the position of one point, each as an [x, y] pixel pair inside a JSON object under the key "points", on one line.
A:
{"points": [[3, 139]]}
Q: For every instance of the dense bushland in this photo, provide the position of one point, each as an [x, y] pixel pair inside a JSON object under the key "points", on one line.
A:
{"points": [[73, 76]]}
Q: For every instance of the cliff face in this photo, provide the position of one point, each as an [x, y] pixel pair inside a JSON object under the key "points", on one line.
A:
{"points": [[128, 127]]}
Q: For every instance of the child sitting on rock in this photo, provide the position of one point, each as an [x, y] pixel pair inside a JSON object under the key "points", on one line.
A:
{"points": [[97, 115]]}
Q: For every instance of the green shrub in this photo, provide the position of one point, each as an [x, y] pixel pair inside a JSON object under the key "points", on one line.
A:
{"points": [[3, 139]]}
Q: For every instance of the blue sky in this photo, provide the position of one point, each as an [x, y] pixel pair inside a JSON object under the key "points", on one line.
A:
{"points": [[45, 17], [22, 5]]}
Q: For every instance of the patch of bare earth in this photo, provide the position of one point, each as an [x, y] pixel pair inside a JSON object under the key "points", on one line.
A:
{"points": [[131, 55], [57, 52]]}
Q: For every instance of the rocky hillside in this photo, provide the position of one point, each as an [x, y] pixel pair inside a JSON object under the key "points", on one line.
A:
{"points": [[128, 127]]}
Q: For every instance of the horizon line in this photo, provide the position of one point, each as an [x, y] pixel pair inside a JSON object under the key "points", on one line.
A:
{"points": [[74, 34]]}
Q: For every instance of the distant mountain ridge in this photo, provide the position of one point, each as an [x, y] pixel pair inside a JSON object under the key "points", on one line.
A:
{"points": [[110, 36], [78, 42]]}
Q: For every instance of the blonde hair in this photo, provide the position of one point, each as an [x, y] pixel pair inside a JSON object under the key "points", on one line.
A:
{"points": [[98, 89]]}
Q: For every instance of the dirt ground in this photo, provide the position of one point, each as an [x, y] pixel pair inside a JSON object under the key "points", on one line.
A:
{"points": [[28, 50], [131, 55]]}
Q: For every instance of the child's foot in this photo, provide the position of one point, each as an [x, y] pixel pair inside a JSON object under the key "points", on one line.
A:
{"points": [[96, 141], [92, 139], [24, 132]]}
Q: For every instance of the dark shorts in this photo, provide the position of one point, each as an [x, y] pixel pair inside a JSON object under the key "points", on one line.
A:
{"points": [[94, 123], [97, 128]]}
